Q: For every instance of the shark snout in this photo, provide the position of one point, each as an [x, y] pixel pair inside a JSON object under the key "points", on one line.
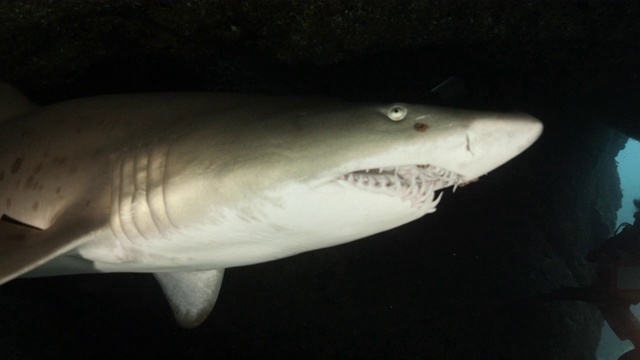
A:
{"points": [[492, 141]]}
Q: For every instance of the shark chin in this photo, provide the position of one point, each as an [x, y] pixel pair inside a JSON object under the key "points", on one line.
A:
{"points": [[185, 185]]}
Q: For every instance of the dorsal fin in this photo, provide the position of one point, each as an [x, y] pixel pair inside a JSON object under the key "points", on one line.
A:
{"points": [[13, 103], [451, 91], [191, 294]]}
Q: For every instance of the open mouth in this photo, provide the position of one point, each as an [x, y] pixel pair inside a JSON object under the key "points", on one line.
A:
{"points": [[416, 183]]}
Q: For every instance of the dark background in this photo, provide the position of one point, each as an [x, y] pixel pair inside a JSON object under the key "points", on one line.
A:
{"points": [[463, 283]]}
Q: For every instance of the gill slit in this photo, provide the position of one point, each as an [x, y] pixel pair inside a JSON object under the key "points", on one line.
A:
{"points": [[126, 190], [116, 224], [156, 196], [139, 206]]}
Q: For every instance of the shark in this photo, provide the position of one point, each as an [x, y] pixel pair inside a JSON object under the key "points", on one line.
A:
{"points": [[185, 185]]}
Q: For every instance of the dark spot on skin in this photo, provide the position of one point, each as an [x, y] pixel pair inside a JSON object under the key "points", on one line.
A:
{"points": [[40, 187], [73, 170], [59, 160], [45, 155], [35, 206], [58, 189], [30, 182], [8, 203], [25, 133], [37, 169], [15, 167], [421, 127], [2, 175], [87, 203]]}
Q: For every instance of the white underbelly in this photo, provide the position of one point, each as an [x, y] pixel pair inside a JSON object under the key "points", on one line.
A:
{"points": [[258, 230]]}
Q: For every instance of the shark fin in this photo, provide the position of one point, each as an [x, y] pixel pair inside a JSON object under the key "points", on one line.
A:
{"points": [[13, 103], [451, 91], [23, 247], [191, 294]]}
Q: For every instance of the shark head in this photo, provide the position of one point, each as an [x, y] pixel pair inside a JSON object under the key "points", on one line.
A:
{"points": [[322, 174]]}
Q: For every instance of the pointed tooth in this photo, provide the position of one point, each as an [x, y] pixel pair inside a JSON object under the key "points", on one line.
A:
{"points": [[407, 191], [404, 189], [428, 195], [435, 202], [393, 183], [428, 189], [386, 179], [421, 186], [415, 189]]}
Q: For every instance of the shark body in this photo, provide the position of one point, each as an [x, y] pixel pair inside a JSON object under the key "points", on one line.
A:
{"points": [[186, 185]]}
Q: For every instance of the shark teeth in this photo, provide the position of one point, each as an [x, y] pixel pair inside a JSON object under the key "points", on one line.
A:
{"points": [[415, 184]]}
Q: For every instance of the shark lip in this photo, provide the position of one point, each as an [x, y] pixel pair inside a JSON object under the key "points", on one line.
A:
{"points": [[414, 183]]}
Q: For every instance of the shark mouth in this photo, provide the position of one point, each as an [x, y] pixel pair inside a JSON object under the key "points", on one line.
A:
{"points": [[416, 183]]}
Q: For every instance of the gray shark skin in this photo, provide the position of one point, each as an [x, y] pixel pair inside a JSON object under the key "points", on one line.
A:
{"points": [[185, 185]]}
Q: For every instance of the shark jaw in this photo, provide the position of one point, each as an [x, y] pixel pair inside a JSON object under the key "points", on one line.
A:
{"points": [[415, 184]]}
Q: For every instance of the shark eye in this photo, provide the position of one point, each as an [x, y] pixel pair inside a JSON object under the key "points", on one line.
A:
{"points": [[397, 113]]}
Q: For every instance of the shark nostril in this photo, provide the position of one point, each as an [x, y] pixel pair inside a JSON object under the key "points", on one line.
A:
{"points": [[421, 127]]}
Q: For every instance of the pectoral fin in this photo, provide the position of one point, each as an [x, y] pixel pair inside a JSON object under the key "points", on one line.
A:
{"points": [[191, 294], [23, 247]]}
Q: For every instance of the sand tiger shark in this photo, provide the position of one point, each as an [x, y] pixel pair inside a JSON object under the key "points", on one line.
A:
{"points": [[185, 185]]}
